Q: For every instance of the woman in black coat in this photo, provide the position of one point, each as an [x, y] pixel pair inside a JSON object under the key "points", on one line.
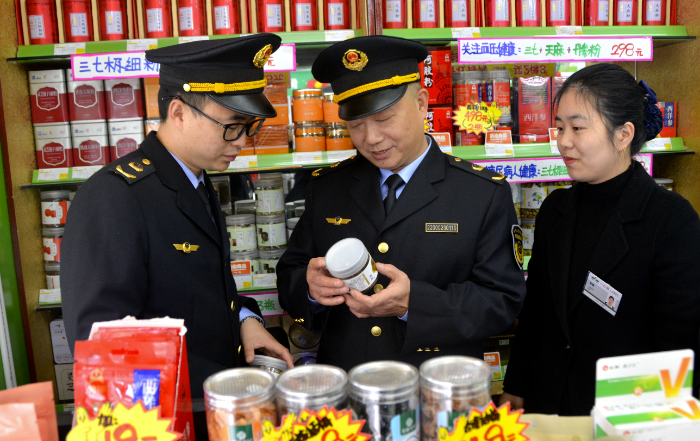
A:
{"points": [[616, 226]]}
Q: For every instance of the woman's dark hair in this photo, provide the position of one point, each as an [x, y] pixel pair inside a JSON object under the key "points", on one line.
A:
{"points": [[165, 96], [617, 97]]}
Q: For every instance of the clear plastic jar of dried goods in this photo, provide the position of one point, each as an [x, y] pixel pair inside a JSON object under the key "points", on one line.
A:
{"points": [[309, 137], [533, 196], [451, 386], [497, 88], [338, 137], [237, 401], [298, 211], [528, 227], [349, 261], [272, 365], [289, 210], [665, 183], [269, 259], [505, 122], [52, 238], [311, 387], [244, 207], [272, 231], [245, 265], [53, 277], [551, 186], [307, 105], [54, 207], [241, 232], [468, 88], [386, 395], [269, 195]]}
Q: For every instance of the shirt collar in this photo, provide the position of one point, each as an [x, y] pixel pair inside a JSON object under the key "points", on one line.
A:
{"points": [[193, 179], [407, 171]]}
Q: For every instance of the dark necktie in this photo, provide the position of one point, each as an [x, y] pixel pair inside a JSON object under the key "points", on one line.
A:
{"points": [[202, 192], [394, 181]]}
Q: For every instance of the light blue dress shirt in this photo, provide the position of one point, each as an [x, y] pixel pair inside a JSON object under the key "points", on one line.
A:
{"points": [[245, 312], [406, 173]]}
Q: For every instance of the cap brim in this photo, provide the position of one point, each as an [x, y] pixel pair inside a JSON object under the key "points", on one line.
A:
{"points": [[254, 105], [371, 103]]}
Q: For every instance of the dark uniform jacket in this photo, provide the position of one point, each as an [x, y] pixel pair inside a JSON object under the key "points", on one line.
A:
{"points": [[119, 258], [647, 252], [465, 286]]}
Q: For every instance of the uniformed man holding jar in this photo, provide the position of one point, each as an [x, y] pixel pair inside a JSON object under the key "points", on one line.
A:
{"points": [[443, 231]]}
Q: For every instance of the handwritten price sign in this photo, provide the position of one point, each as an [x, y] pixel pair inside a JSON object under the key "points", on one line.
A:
{"points": [[477, 118], [122, 424], [491, 424]]}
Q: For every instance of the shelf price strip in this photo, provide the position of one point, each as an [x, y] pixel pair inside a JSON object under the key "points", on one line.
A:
{"points": [[555, 49]]}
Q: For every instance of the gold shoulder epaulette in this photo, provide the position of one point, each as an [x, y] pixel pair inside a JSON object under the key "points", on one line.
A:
{"points": [[133, 171], [326, 170], [477, 170]]}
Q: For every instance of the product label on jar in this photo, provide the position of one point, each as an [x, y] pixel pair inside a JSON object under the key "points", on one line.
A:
{"points": [[242, 271], [467, 93], [303, 14], [268, 266], [551, 188], [269, 201], [528, 238], [85, 96], [272, 235], [125, 146], [498, 92], [122, 94], [114, 22], [78, 24], [90, 151], [603, 10], [246, 432], [653, 10], [533, 197], [242, 238], [427, 11], [502, 10], [186, 21], [274, 16], [529, 9], [154, 20], [221, 18], [336, 14], [53, 282], [393, 11], [53, 153], [459, 10], [624, 11], [54, 212], [365, 279], [47, 98], [405, 426], [556, 10], [52, 249], [36, 27]]}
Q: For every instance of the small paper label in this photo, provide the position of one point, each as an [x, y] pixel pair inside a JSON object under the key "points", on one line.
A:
{"points": [[221, 18], [264, 281], [304, 158], [659, 144], [84, 172], [274, 16], [69, 49], [141, 45], [303, 14], [568, 30], [52, 174], [114, 22], [553, 134], [393, 11], [186, 20], [446, 150], [493, 359], [189, 39], [36, 27], [154, 20], [460, 11], [246, 161], [466, 32], [336, 17], [49, 296], [499, 143], [340, 155], [339, 35]]}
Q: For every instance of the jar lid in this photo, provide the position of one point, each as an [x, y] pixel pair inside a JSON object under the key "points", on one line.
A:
{"points": [[244, 203], [52, 266], [272, 254], [346, 257], [244, 255], [328, 97], [298, 211], [240, 219], [527, 221], [309, 124], [505, 119], [316, 93], [312, 385], [383, 382], [659, 181], [455, 374], [472, 75], [299, 203], [71, 195], [497, 74], [271, 176], [268, 182], [292, 222], [269, 218], [289, 205], [52, 231], [55, 194], [265, 361], [239, 386], [337, 131]]}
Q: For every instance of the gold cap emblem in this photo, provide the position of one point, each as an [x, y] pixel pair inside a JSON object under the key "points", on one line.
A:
{"points": [[355, 60], [261, 57]]}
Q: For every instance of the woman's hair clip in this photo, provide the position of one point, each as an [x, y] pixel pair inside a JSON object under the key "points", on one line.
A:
{"points": [[650, 95]]}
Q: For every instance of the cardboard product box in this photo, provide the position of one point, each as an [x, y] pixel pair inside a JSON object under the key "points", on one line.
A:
{"points": [[439, 119], [150, 94], [54, 152], [47, 131], [669, 110], [534, 106], [86, 99], [282, 117], [48, 96], [272, 136], [59, 342], [276, 93], [64, 381], [90, 144], [124, 137], [124, 100], [436, 75]]}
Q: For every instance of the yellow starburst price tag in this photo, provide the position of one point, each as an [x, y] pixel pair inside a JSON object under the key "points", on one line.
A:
{"points": [[122, 424], [477, 118], [491, 424], [324, 425]]}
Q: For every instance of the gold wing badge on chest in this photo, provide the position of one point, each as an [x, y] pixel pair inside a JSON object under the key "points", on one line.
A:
{"points": [[186, 247], [337, 220]]}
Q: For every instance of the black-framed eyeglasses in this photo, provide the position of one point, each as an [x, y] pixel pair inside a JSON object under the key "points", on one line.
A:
{"points": [[232, 132]]}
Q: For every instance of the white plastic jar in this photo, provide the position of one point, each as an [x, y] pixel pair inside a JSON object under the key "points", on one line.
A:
{"points": [[241, 232], [269, 196], [272, 231], [350, 261]]}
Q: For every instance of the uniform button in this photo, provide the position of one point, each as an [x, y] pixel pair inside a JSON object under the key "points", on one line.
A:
{"points": [[383, 247], [378, 288], [376, 331], [233, 306], [568, 347], [436, 350]]}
